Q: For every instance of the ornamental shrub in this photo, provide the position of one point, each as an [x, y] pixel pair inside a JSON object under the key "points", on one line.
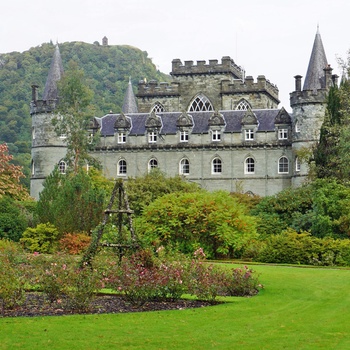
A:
{"points": [[12, 220], [74, 243], [214, 221], [141, 278], [43, 238], [65, 283], [12, 280], [302, 248]]}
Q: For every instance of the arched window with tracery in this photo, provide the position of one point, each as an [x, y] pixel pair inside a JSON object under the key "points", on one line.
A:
{"points": [[158, 108], [152, 164], [62, 167], [216, 166], [283, 165], [243, 105], [184, 167], [200, 103], [122, 167], [249, 166]]}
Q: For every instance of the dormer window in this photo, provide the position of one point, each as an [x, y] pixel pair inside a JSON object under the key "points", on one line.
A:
{"points": [[283, 134], [250, 125], [152, 137], [121, 137], [216, 135], [249, 135], [184, 136], [153, 127]]}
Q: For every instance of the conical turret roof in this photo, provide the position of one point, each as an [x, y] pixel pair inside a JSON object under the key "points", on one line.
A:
{"points": [[315, 75], [55, 74], [129, 104]]}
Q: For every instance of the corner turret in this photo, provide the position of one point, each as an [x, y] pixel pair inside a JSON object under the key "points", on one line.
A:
{"points": [[309, 105]]}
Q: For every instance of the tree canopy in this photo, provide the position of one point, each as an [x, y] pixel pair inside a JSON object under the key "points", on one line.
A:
{"points": [[10, 176]]}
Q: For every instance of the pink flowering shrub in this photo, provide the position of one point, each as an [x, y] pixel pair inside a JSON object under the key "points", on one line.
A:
{"points": [[74, 287], [141, 278]]}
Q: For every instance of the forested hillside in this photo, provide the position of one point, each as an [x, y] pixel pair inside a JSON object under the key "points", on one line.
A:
{"points": [[107, 70]]}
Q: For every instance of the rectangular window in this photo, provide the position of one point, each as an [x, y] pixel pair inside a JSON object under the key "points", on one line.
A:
{"points": [[297, 164], [215, 135], [183, 136], [282, 134], [121, 137], [249, 134], [152, 137]]}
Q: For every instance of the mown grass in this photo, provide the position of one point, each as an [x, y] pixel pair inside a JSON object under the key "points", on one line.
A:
{"points": [[300, 308]]}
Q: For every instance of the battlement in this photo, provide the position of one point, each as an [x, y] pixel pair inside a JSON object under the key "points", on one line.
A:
{"points": [[248, 85], [189, 68], [308, 97], [42, 106], [160, 89]]}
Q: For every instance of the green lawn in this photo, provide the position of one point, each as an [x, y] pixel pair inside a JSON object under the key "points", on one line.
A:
{"points": [[300, 308]]}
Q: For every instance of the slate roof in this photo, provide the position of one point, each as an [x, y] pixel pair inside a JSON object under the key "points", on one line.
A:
{"points": [[233, 119], [315, 75], [55, 74]]}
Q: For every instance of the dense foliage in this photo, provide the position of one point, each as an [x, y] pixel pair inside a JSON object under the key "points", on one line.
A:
{"points": [[71, 202], [321, 208], [214, 221], [74, 114], [10, 176], [15, 217], [144, 190], [107, 70], [291, 247]]}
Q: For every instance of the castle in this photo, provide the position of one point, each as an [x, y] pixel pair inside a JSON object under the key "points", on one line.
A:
{"points": [[212, 124]]}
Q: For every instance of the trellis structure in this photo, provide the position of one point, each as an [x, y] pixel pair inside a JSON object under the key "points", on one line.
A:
{"points": [[123, 209]]}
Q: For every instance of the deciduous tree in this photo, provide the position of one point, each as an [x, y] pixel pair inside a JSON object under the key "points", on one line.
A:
{"points": [[10, 176]]}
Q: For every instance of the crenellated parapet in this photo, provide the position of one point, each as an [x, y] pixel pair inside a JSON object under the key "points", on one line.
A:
{"points": [[42, 106], [160, 89], [227, 65], [306, 97], [262, 85]]}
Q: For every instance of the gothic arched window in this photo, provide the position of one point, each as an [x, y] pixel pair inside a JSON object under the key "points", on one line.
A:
{"points": [[152, 164], [283, 165], [158, 108], [243, 105], [249, 166], [200, 103], [122, 167], [184, 167], [62, 167], [216, 166]]}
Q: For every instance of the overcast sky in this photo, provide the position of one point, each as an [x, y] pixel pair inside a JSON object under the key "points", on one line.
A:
{"points": [[271, 37]]}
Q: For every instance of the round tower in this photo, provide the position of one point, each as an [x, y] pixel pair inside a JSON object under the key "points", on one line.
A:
{"points": [[309, 105], [48, 149]]}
